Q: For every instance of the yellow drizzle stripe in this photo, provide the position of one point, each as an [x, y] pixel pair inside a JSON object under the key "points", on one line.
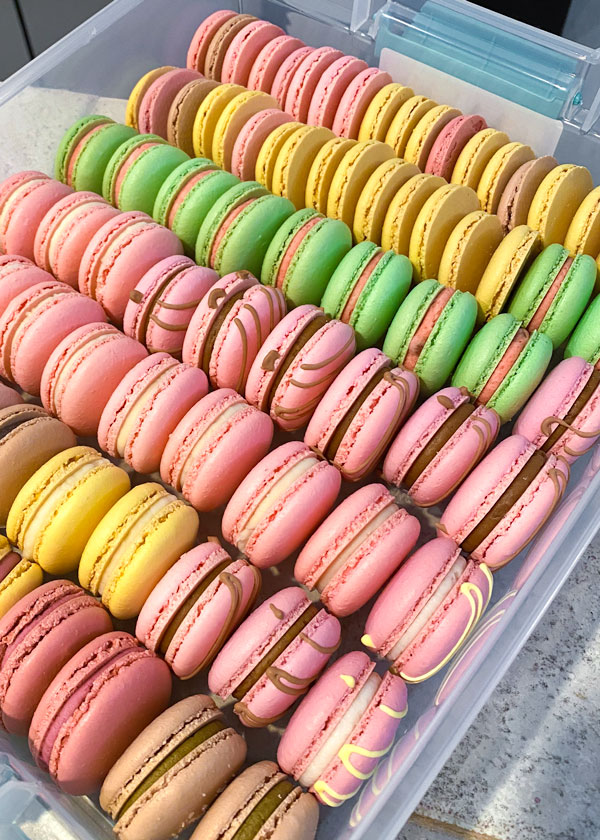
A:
{"points": [[367, 641], [348, 750], [387, 710], [329, 795], [350, 681]]}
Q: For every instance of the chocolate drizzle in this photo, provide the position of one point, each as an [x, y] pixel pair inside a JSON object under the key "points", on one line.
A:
{"points": [[327, 651], [276, 612], [555, 427]]}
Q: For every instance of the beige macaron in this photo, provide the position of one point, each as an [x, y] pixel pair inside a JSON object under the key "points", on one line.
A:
{"points": [[469, 249], [501, 167]]}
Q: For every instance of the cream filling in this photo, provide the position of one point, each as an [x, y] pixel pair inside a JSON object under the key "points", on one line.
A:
{"points": [[429, 608], [136, 409], [206, 438], [129, 538], [65, 225], [342, 732], [343, 557], [272, 497], [15, 197]]}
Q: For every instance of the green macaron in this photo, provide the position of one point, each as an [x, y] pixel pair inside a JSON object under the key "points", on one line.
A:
{"points": [[85, 150], [366, 290], [568, 281], [429, 339], [585, 340], [137, 170], [516, 359], [239, 227], [303, 255], [201, 182]]}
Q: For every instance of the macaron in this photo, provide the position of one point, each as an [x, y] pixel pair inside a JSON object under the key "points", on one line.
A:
{"points": [[145, 408], [556, 201], [440, 214], [136, 172], [381, 110], [286, 71], [233, 118], [119, 255], [305, 79], [507, 265], [450, 141], [196, 606], [297, 363], [161, 306], [428, 609], [238, 228], [405, 120], [269, 60], [361, 412], [9, 397], [303, 255], [404, 209], [203, 36], [517, 196], [28, 438], [17, 577], [562, 417], [245, 48], [497, 173], [17, 274], [25, 198], [34, 324], [348, 720], [423, 136], [583, 234], [182, 113], [251, 138], [322, 170], [430, 331], [585, 338], [133, 545], [274, 656], [331, 87], [94, 708], [262, 803], [439, 445], [374, 200], [475, 156], [279, 503], [356, 549], [170, 774], [68, 495], [269, 152], [86, 148], [187, 195], [155, 104], [83, 372], [505, 501], [37, 637], [138, 92], [468, 251], [366, 289], [65, 231], [207, 117], [199, 461], [220, 42], [351, 176], [503, 365], [294, 161], [555, 291]]}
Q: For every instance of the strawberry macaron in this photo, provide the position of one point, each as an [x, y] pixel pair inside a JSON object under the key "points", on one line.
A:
{"points": [[25, 198], [505, 501], [356, 549], [439, 445], [203, 37], [340, 730], [361, 412], [274, 656], [8, 397], [196, 606], [280, 503], [245, 49], [155, 104], [356, 99], [251, 138], [17, 274], [269, 60], [428, 609], [305, 79]]}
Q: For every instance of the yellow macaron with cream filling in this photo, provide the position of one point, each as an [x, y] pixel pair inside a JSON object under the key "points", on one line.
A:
{"points": [[269, 151], [322, 170], [17, 576], [208, 114], [294, 160], [404, 208], [475, 156], [583, 235]]}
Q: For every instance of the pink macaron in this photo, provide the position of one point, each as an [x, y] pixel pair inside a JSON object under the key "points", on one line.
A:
{"points": [[250, 140], [274, 656], [203, 36], [280, 503], [356, 549], [93, 709], [38, 635], [83, 372], [145, 408], [428, 609], [17, 274], [65, 231], [285, 73], [34, 323], [361, 412], [563, 415], [245, 49], [269, 60], [118, 256], [161, 306], [439, 445], [8, 396], [505, 501], [214, 447], [297, 363], [305, 79], [347, 721], [330, 89], [196, 606], [156, 103], [25, 198], [356, 99], [449, 143]]}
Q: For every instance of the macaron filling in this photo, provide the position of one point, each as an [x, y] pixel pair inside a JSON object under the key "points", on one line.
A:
{"points": [[22, 416], [360, 284], [436, 443], [509, 357], [224, 308], [542, 310], [292, 249], [178, 199], [561, 425], [341, 430], [264, 809], [426, 326], [119, 176], [225, 226]]}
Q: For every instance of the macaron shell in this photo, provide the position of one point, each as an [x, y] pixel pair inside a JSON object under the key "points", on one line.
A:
{"points": [[154, 106], [468, 250], [375, 198], [220, 43], [182, 113], [556, 201], [138, 92], [585, 339], [17, 274], [420, 143], [22, 209], [251, 137], [245, 48], [233, 118], [404, 209], [351, 176], [18, 579], [269, 152], [285, 73], [518, 194], [513, 255], [207, 117], [449, 143], [145, 177], [203, 37], [498, 172], [381, 111], [322, 170], [405, 121], [269, 60], [583, 235], [476, 155], [294, 161], [523, 377], [9, 397], [331, 88], [306, 76]]}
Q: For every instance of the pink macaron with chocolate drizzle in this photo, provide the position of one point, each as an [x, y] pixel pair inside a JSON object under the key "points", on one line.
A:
{"points": [[274, 656], [356, 549], [196, 606], [428, 609], [505, 501], [439, 445], [340, 730], [361, 412]]}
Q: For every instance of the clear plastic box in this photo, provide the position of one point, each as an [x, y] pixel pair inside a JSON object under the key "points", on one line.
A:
{"points": [[92, 71]]}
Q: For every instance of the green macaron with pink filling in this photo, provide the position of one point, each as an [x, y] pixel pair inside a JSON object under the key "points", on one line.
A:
{"points": [[85, 150]]}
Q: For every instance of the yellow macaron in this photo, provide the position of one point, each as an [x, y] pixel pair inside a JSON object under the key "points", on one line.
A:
{"points": [[137, 94], [133, 546], [404, 208], [208, 114], [508, 264], [349, 179], [424, 133], [375, 198], [556, 201], [322, 170], [407, 118], [501, 167], [294, 160], [469, 249], [55, 512], [475, 156], [233, 117], [381, 111], [17, 576], [269, 151], [583, 235]]}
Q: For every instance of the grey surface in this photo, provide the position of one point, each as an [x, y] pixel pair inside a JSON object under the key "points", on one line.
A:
{"points": [[13, 46], [49, 20]]}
